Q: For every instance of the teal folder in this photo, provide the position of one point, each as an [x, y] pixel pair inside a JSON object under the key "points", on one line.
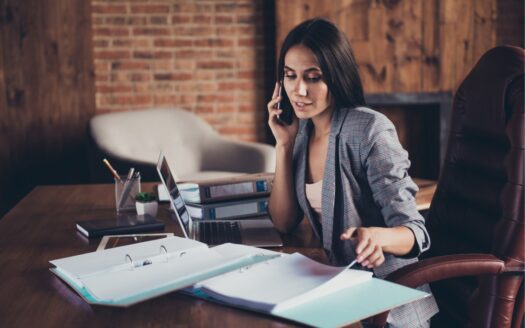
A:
{"points": [[344, 307], [289, 286]]}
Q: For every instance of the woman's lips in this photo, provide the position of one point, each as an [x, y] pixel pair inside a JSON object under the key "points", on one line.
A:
{"points": [[301, 105]]}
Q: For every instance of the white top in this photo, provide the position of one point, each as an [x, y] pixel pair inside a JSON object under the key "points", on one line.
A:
{"points": [[313, 195]]}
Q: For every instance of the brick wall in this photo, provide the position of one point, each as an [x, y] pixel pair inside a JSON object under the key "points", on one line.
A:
{"points": [[209, 57]]}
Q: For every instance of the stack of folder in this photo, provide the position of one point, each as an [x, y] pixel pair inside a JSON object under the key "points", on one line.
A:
{"points": [[239, 197]]}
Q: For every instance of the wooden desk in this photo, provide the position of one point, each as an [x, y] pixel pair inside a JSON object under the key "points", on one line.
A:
{"points": [[42, 228]]}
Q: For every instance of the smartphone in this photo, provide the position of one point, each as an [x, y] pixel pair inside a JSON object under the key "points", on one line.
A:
{"points": [[286, 117]]}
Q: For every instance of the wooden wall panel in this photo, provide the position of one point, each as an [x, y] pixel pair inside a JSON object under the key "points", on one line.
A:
{"points": [[404, 45], [48, 83]]}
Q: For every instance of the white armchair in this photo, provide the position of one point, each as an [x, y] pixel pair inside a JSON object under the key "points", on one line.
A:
{"points": [[193, 148]]}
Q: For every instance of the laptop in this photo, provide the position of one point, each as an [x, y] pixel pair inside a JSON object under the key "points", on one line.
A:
{"points": [[258, 231]]}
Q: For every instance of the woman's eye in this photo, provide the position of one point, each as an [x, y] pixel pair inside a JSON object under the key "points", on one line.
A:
{"points": [[289, 76], [313, 78]]}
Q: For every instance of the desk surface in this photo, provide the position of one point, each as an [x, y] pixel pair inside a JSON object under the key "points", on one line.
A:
{"points": [[42, 227]]}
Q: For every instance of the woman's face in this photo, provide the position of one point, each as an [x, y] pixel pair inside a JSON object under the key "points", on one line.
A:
{"points": [[304, 84]]}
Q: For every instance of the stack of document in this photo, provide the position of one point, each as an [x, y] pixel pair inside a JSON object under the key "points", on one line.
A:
{"points": [[232, 188], [229, 210], [236, 197]]}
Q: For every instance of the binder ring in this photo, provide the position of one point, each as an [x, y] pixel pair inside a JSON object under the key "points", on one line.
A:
{"points": [[128, 259], [165, 251]]}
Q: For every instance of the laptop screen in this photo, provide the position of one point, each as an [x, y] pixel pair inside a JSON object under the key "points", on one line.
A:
{"points": [[176, 199]]}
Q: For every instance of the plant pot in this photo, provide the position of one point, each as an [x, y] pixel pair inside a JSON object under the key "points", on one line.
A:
{"points": [[147, 208]]}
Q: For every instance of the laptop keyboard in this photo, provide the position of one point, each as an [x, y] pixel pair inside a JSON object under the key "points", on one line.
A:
{"points": [[216, 233]]}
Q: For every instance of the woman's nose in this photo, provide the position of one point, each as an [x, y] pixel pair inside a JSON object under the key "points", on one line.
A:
{"points": [[300, 88]]}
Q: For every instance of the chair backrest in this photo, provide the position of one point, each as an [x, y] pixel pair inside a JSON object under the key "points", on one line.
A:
{"points": [[140, 135], [478, 205]]}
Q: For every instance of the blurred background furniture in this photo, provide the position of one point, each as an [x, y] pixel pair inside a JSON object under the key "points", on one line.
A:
{"points": [[193, 147], [476, 219]]}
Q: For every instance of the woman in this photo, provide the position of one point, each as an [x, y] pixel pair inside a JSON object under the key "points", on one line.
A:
{"points": [[341, 164]]}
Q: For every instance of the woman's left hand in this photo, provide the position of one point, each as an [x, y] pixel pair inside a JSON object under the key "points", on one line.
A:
{"points": [[368, 246]]}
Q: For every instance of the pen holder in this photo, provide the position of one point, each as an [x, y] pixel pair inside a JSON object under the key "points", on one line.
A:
{"points": [[125, 191]]}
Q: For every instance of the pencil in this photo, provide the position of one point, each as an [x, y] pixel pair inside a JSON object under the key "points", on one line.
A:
{"points": [[111, 169]]}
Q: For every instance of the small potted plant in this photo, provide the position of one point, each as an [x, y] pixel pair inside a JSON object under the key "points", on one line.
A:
{"points": [[146, 203]]}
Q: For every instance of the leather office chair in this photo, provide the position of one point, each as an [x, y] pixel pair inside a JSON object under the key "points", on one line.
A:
{"points": [[476, 219], [195, 150]]}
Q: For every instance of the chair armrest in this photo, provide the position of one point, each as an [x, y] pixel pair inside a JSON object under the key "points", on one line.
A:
{"points": [[444, 267], [222, 154], [440, 268]]}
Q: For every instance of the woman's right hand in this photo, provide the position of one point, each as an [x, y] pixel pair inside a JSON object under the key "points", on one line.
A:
{"points": [[284, 134]]}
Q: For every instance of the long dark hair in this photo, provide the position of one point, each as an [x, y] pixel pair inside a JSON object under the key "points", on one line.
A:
{"points": [[335, 57]]}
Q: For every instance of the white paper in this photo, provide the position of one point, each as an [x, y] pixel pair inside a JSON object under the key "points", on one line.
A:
{"points": [[91, 263], [281, 283]]}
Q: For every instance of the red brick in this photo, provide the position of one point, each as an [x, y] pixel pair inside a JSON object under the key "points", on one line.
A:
{"points": [[225, 54], [150, 31], [225, 7], [246, 108], [248, 19], [214, 42], [162, 87], [101, 77], [97, 20], [100, 43], [226, 108], [173, 43], [110, 31], [101, 66], [126, 100], [112, 54], [152, 54], [235, 130], [181, 64], [193, 31], [182, 19], [130, 65], [247, 74], [150, 9], [193, 54], [215, 64], [215, 98], [249, 42], [225, 74], [223, 19], [183, 7], [161, 65], [203, 109], [108, 9], [125, 20], [159, 20], [132, 43], [203, 8], [225, 30], [172, 76], [247, 118], [171, 99], [113, 88], [202, 19]]}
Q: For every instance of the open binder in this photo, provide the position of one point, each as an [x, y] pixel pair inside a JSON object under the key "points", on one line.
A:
{"points": [[290, 286]]}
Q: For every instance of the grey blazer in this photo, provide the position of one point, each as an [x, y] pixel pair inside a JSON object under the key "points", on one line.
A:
{"points": [[365, 183]]}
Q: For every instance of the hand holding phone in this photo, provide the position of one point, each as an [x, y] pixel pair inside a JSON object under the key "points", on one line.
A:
{"points": [[286, 117]]}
